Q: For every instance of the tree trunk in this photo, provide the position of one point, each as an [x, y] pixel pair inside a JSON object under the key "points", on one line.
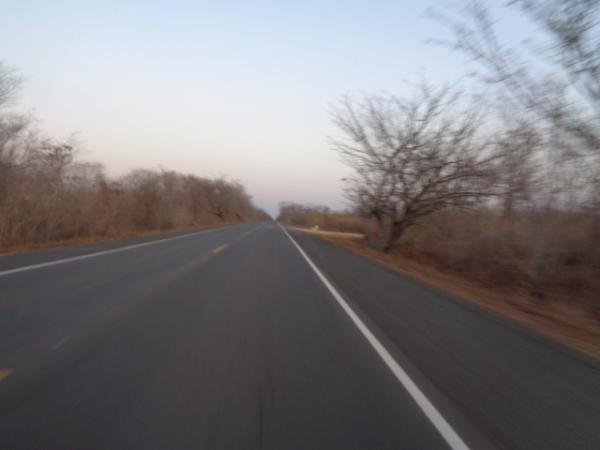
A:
{"points": [[383, 231], [394, 231]]}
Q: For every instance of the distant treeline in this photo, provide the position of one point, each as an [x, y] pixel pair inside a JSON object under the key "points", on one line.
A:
{"points": [[48, 194], [310, 216]]}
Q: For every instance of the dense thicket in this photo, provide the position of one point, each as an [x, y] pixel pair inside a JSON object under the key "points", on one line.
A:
{"points": [[49, 194]]}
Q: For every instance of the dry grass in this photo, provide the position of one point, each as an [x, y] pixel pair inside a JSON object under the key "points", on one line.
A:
{"points": [[339, 234], [323, 218], [13, 250], [564, 322]]}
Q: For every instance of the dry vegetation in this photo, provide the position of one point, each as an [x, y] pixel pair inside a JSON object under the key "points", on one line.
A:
{"points": [[556, 318], [498, 192], [47, 194], [543, 276], [321, 217], [550, 257]]}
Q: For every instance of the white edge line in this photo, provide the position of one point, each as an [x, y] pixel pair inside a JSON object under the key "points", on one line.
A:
{"points": [[104, 252], [450, 436]]}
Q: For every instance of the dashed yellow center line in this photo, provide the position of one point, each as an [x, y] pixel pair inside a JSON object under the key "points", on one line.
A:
{"points": [[219, 249], [5, 373]]}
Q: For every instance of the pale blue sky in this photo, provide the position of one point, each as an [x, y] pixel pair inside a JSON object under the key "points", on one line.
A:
{"points": [[236, 88]]}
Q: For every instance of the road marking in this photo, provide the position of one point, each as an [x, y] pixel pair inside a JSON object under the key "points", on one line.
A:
{"points": [[104, 252], [219, 249], [450, 436], [5, 373], [60, 343]]}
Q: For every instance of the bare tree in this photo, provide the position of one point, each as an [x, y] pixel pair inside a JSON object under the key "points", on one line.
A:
{"points": [[145, 190], [517, 168], [12, 126], [550, 82], [10, 82], [48, 194], [413, 156], [571, 26], [218, 198], [558, 84]]}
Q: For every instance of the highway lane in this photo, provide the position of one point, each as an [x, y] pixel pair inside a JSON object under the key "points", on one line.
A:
{"points": [[521, 390], [220, 339], [228, 339]]}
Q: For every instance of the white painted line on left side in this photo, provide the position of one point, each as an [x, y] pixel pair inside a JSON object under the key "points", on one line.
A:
{"points": [[103, 252]]}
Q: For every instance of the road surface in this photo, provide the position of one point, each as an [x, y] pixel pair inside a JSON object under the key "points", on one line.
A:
{"points": [[228, 338]]}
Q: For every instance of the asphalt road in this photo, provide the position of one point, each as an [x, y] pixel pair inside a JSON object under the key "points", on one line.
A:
{"points": [[228, 339]]}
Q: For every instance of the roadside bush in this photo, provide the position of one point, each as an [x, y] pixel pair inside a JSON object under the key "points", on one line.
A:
{"points": [[323, 218], [549, 255]]}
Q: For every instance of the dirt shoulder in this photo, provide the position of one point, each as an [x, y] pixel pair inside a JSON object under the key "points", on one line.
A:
{"points": [[93, 240], [568, 325], [81, 248], [332, 234]]}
